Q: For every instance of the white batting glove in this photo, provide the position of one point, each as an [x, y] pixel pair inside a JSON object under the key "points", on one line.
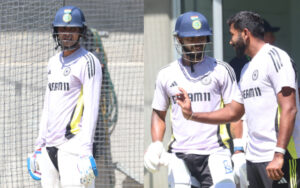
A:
{"points": [[87, 168], [165, 158], [240, 171], [152, 157], [239, 162], [33, 165]]}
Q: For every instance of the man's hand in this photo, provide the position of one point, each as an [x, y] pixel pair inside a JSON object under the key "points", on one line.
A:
{"points": [[183, 100], [274, 167], [240, 171], [154, 156]]}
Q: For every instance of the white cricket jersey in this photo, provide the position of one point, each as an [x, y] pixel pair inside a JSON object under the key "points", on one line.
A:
{"points": [[72, 100], [211, 82], [262, 79]]}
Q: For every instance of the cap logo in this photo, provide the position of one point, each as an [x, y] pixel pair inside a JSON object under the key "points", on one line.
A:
{"points": [[196, 24]]}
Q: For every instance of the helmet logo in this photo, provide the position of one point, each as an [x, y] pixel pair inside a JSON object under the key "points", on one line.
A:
{"points": [[67, 15], [196, 24], [67, 18]]}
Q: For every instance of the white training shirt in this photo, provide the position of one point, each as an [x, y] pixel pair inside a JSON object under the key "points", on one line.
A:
{"points": [[71, 101], [211, 82], [262, 79]]}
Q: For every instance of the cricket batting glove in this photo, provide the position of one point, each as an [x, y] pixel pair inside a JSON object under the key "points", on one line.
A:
{"points": [[240, 171], [155, 156], [87, 169], [33, 165]]}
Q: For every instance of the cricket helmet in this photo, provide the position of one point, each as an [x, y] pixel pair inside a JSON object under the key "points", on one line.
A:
{"points": [[68, 16]]}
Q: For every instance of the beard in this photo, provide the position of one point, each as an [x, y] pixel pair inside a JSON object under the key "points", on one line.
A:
{"points": [[193, 56], [240, 47]]}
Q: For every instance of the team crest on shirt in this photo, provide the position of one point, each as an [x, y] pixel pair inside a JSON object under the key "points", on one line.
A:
{"points": [[67, 71], [206, 80], [255, 75]]}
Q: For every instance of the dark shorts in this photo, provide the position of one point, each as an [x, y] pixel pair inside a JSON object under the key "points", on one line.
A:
{"points": [[198, 166], [258, 178]]}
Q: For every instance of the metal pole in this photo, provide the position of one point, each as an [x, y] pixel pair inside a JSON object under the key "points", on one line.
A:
{"points": [[176, 11], [218, 29]]}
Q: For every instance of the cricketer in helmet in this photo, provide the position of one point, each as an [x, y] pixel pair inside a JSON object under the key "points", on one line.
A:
{"points": [[68, 26], [191, 36]]}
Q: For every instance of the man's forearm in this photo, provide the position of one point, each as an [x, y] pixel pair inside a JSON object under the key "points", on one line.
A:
{"points": [[287, 122], [231, 112], [158, 125]]}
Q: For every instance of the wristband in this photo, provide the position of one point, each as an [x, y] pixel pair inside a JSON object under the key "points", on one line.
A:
{"points": [[238, 144], [279, 150], [238, 149], [191, 116]]}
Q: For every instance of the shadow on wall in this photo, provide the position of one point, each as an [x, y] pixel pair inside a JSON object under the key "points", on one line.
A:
{"points": [[130, 183]]}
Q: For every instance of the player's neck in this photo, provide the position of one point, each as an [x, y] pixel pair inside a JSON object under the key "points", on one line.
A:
{"points": [[254, 47], [69, 52]]}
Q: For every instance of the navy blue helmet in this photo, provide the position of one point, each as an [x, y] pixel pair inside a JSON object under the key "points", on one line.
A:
{"points": [[68, 16], [192, 24]]}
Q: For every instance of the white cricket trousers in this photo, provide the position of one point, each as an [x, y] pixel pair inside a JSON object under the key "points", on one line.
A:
{"points": [[220, 167], [68, 175]]}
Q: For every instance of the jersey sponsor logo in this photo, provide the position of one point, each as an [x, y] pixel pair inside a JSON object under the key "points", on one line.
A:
{"points": [[195, 97], [255, 75], [67, 71], [174, 84], [251, 92], [282, 181], [59, 86]]}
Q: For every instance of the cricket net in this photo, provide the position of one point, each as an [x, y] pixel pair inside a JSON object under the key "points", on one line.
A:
{"points": [[26, 44]]}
